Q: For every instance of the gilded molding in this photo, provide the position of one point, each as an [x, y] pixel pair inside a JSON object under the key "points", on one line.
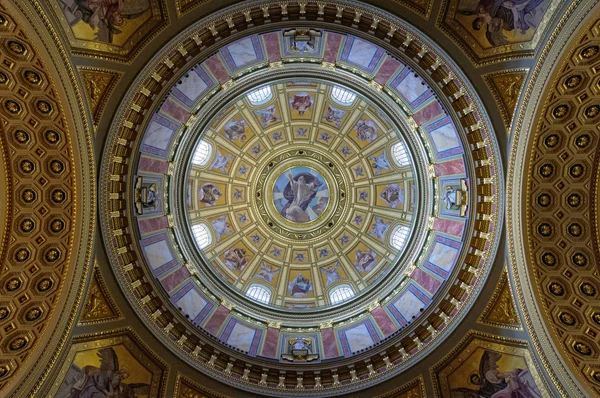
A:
{"points": [[99, 307], [506, 87], [98, 85], [501, 310]]}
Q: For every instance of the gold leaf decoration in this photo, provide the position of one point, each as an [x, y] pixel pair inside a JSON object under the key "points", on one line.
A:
{"points": [[99, 307], [501, 310], [98, 85], [506, 88], [186, 388]]}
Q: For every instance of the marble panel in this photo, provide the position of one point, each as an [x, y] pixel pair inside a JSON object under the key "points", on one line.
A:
{"points": [[332, 47], [241, 337], [358, 337], [269, 348], [157, 137], [444, 137], [426, 281], [451, 167], [330, 347], [153, 165], [443, 256], [362, 53], [385, 323], [175, 111], [174, 279], [242, 53], [411, 87], [192, 303], [272, 46], [216, 67], [216, 321], [148, 225], [451, 227], [409, 305], [192, 86], [429, 112], [158, 253], [388, 68]]}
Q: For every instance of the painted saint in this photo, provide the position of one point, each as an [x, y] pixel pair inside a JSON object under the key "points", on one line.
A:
{"points": [[380, 163], [221, 162], [492, 383], [221, 227], [300, 286], [267, 115], [334, 115], [104, 381], [267, 272], [209, 194], [365, 260], [501, 18], [235, 130], [302, 102], [366, 130], [301, 194], [235, 259], [379, 228], [331, 271], [392, 195]]}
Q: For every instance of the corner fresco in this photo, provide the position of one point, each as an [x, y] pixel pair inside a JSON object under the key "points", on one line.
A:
{"points": [[487, 366], [490, 30], [115, 28]]}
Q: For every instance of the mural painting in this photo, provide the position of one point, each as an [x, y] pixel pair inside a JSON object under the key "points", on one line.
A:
{"points": [[484, 366], [111, 366], [116, 27], [490, 29], [301, 194]]}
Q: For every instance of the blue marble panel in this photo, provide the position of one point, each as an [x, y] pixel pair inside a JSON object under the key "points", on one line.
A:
{"points": [[243, 53], [362, 54], [158, 253], [444, 137], [193, 86], [358, 337], [442, 257], [158, 136], [191, 303]]}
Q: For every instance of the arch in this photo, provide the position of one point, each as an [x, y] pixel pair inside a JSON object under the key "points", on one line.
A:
{"points": [[258, 292], [341, 293]]}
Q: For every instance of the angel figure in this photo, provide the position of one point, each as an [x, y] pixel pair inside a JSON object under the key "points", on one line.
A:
{"points": [[105, 381], [267, 272], [495, 384], [332, 273]]}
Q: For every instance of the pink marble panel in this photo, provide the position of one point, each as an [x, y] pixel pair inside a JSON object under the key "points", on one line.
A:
{"points": [[217, 68], [456, 166], [153, 165], [389, 67], [269, 349], [175, 111], [330, 348], [430, 112], [175, 278], [152, 224], [384, 322], [216, 321], [451, 227], [425, 280], [332, 47], [272, 45]]}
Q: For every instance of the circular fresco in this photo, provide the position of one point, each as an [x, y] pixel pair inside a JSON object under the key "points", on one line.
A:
{"points": [[300, 195]]}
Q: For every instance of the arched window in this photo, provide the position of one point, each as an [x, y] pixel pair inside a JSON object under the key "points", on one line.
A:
{"points": [[340, 293], [260, 96], [342, 96], [399, 237], [202, 235], [259, 293], [400, 155], [202, 153]]}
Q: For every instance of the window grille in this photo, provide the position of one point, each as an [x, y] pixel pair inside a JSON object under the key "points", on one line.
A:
{"points": [[341, 293]]}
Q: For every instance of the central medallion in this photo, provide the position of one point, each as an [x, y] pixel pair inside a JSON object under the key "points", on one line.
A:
{"points": [[300, 194]]}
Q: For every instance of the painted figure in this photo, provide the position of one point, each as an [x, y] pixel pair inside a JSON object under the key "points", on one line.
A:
{"points": [[221, 162], [366, 130], [517, 16], [299, 192], [221, 227], [331, 271], [392, 195], [105, 381], [302, 102], [267, 115], [379, 228], [267, 272], [235, 130], [235, 259], [380, 163], [365, 261], [334, 115], [495, 384], [300, 286], [209, 194], [107, 16]]}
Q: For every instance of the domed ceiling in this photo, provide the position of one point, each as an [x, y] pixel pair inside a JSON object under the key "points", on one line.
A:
{"points": [[299, 198], [305, 189]]}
